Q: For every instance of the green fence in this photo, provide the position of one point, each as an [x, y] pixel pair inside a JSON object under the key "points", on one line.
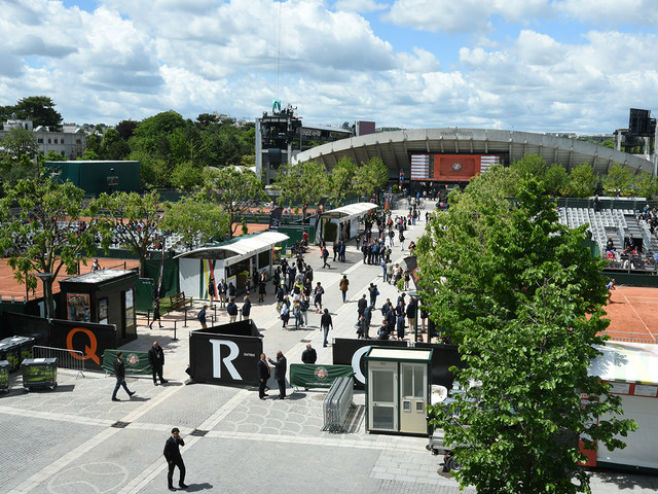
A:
{"points": [[135, 362], [317, 376], [144, 295]]}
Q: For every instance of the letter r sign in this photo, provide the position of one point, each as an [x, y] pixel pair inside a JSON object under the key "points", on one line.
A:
{"points": [[217, 359]]}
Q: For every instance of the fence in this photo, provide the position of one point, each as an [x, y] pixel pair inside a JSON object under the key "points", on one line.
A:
{"points": [[337, 404], [68, 359], [632, 337]]}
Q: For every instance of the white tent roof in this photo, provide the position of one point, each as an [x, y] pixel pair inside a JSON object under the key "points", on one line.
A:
{"points": [[351, 211], [239, 249], [626, 362]]}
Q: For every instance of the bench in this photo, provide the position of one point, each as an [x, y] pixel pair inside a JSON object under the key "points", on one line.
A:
{"points": [[178, 301]]}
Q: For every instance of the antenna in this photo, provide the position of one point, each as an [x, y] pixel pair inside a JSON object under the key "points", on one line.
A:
{"points": [[278, 47]]}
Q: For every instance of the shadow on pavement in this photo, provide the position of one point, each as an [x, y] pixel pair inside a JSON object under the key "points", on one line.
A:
{"points": [[138, 398], [627, 480], [198, 487]]}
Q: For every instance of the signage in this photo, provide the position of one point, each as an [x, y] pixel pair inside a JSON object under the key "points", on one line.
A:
{"points": [[89, 350], [226, 354], [346, 351], [317, 376]]}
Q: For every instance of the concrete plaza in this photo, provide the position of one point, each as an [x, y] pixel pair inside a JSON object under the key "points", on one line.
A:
{"points": [[75, 440]]}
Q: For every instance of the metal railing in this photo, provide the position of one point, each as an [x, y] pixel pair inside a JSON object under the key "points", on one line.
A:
{"points": [[337, 404], [67, 359]]}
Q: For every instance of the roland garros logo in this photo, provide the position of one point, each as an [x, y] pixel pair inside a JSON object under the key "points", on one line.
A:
{"points": [[133, 359], [321, 373], [457, 167]]}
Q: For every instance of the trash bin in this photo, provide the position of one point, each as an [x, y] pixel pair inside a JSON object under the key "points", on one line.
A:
{"points": [[4, 376], [15, 349], [39, 373]]}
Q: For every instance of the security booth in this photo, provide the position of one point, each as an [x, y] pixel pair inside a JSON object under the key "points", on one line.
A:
{"points": [[342, 223], [105, 296], [631, 369], [231, 261], [226, 354], [398, 390]]}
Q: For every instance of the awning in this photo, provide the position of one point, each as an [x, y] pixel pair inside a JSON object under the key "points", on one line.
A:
{"points": [[351, 211], [237, 249]]}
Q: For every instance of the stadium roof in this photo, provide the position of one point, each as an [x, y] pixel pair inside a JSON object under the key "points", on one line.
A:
{"points": [[395, 147]]}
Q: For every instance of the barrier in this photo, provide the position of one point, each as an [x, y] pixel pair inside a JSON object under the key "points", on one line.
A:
{"points": [[317, 376], [67, 359], [337, 404], [135, 362]]}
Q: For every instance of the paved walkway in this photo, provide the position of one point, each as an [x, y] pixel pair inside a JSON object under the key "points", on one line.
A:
{"points": [[75, 440]]}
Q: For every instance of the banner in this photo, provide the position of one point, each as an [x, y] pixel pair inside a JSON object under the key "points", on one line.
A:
{"points": [[317, 376], [349, 351], [443, 357], [226, 354], [135, 362]]}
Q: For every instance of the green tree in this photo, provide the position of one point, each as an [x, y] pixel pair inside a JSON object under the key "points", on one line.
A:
{"points": [[582, 182], [43, 236], [17, 143], [618, 181], [235, 189], [530, 165], [39, 109], [556, 179], [644, 185], [131, 220], [522, 296], [370, 177], [113, 147], [125, 128], [196, 220], [186, 176], [54, 156], [304, 184], [93, 146], [340, 180]]}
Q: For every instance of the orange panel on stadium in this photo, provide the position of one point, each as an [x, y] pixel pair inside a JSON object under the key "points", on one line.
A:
{"points": [[456, 167]]}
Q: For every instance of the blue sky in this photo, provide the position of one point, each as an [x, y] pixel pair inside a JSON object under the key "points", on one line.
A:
{"points": [[535, 65]]}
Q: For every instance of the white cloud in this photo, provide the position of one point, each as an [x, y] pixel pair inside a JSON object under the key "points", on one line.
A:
{"points": [[611, 12], [134, 59], [363, 6]]}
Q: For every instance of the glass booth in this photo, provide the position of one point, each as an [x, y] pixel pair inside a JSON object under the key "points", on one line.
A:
{"points": [[398, 390]]}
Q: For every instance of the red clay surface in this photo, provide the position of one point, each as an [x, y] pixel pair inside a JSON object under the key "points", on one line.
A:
{"points": [[9, 287], [633, 314]]}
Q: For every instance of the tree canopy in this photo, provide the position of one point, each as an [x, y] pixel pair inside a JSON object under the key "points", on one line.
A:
{"points": [[522, 297], [39, 109], [235, 189], [370, 177], [42, 234], [303, 184]]}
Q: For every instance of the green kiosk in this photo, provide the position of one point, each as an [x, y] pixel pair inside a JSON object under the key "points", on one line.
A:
{"points": [[398, 390]]}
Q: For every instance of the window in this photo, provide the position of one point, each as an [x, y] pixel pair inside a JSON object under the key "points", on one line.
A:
{"points": [[40, 140], [49, 141]]}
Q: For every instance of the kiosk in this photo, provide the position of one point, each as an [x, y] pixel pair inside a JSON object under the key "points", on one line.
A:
{"points": [[345, 218], [106, 296], [232, 261], [398, 390]]}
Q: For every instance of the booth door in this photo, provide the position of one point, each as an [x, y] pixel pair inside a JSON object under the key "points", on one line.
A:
{"points": [[413, 417], [383, 396]]}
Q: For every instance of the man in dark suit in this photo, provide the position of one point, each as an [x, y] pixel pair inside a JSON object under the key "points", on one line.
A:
{"points": [[263, 376], [156, 359], [281, 366], [120, 373], [174, 459], [309, 356]]}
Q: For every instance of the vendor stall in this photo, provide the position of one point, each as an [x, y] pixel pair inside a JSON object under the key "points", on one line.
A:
{"points": [[632, 371], [232, 261], [105, 296], [346, 221]]}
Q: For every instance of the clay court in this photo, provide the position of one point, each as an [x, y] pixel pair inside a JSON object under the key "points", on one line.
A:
{"points": [[633, 314], [10, 288]]}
